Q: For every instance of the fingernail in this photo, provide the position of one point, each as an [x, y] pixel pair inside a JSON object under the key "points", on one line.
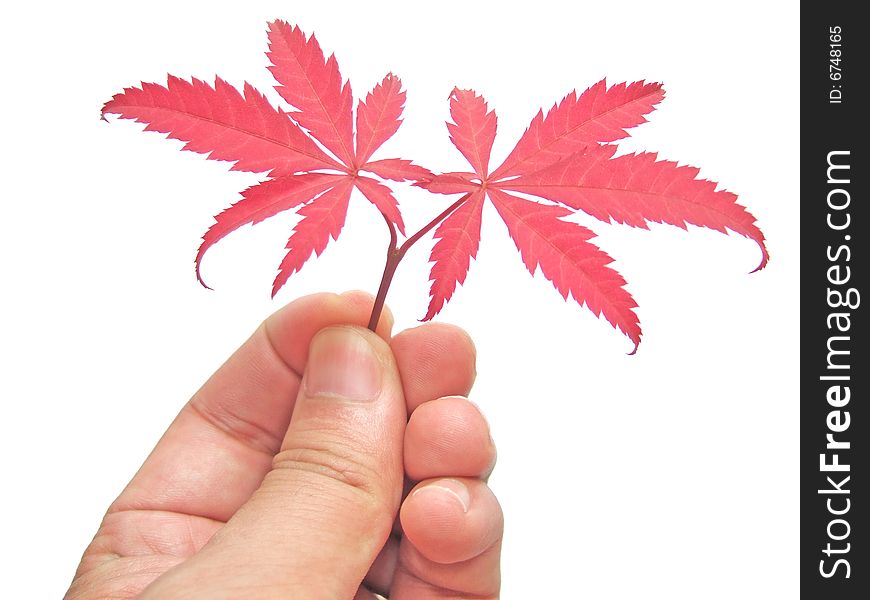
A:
{"points": [[343, 364], [451, 488]]}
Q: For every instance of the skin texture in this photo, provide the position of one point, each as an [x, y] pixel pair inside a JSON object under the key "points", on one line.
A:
{"points": [[320, 461]]}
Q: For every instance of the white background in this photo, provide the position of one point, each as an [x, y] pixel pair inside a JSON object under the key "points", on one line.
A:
{"points": [[669, 474]]}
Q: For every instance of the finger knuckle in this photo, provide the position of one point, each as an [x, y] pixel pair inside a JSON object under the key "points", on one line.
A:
{"points": [[329, 465]]}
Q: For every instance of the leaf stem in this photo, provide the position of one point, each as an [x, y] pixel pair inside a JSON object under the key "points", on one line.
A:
{"points": [[395, 253]]}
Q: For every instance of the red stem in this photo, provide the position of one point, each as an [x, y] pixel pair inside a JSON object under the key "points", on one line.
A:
{"points": [[395, 255]]}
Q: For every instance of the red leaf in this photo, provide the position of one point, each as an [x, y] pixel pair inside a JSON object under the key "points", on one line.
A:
{"points": [[458, 238], [562, 157], [398, 169], [598, 115], [262, 201], [635, 189], [378, 118], [382, 198], [226, 125], [221, 123], [566, 257], [314, 86], [322, 218], [473, 129]]}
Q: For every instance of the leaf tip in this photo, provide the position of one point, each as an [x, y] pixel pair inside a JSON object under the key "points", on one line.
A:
{"points": [[277, 284], [199, 274], [765, 256], [431, 310], [201, 281]]}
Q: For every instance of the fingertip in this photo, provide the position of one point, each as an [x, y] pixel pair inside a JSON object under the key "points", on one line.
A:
{"points": [[291, 328], [449, 493], [448, 437], [435, 359], [451, 520], [364, 301]]}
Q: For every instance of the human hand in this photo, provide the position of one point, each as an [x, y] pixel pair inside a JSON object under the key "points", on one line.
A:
{"points": [[269, 484]]}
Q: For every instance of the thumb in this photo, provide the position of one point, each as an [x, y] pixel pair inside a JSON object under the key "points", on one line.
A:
{"points": [[325, 510]]}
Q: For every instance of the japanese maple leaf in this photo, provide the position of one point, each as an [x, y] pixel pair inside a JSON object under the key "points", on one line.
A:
{"points": [[566, 159], [311, 156]]}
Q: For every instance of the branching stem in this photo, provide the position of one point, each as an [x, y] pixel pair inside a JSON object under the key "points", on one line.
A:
{"points": [[395, 253]]}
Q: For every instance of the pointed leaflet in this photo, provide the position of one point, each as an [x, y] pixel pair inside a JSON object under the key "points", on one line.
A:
{"points": [[382, 198], [473, 129], [635, 189], [566, 257], [450, 183], [219, 122], [398, 169], [598, 115], [378, 117], [313, 86], [262, 201], [458, 239], [322, 218]]}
